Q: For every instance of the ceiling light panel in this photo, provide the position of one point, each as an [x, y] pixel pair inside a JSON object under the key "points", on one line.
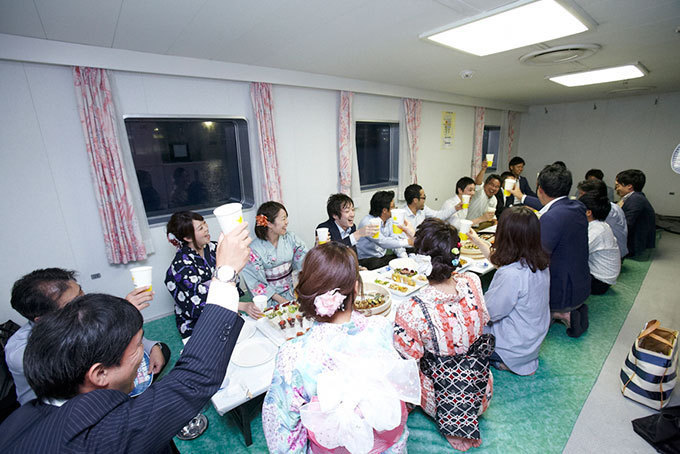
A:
{"points": [[599, 76], [516, 25]]}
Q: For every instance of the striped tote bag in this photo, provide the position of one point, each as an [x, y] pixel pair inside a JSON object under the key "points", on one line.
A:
{"points": [[649, 372]]}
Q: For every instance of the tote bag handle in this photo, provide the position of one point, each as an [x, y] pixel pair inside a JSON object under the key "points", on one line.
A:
{"points": [[652, 325]]}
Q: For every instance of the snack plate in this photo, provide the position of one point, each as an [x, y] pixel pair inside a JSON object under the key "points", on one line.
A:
{"points": [[253, 352], [247, 332], [383, 309], [387, 276]]}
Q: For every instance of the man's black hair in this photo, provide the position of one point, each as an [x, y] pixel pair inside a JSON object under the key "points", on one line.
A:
{"points": [[336, 203], [596, 186], [634, 177], [463, 183], [37, 293], [64, 344], [411, 192], [380, 200], [598, 205], [597, 173], [555, 181], [516, 160], [493, 176]]}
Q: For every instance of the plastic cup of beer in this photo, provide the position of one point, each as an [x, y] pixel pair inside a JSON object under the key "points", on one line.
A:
{"points": [[489, 159], [141, 276], [398, 215], [261, 302], [323, 234], [465, 226], [229, 216], [509, 184], [376, 222], [466, 201]]}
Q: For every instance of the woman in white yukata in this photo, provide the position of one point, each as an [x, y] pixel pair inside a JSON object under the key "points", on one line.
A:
{"points": [[275, 253], [342, 386]]}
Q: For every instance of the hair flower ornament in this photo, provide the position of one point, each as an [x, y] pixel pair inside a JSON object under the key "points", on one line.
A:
{"points": [[455, 262], [261, 220], [174, 241], [455, 251], [327, 303]]}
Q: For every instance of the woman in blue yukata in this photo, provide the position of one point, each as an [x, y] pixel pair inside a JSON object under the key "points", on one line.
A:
{"points": [[342, 386], [275, 253], [191, 271]]}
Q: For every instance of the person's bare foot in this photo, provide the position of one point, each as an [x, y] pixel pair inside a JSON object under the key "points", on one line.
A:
{"points": [[463, 444]]}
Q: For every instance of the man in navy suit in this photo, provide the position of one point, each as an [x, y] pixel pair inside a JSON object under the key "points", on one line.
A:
{"points": [[516, 166], [640, 215], [340, 223], [82, 360], [564, 235]]}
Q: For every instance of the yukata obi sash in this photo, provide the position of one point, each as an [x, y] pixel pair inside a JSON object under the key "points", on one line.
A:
{"points": [[279, 273], [359, 405]]}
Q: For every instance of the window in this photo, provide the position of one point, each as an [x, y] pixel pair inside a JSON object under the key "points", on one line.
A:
{"points": [[377, 154], [190, 164], [492, 135]]}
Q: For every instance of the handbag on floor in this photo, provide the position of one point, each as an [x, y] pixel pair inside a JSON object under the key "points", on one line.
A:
{"points": [[649, 372]]}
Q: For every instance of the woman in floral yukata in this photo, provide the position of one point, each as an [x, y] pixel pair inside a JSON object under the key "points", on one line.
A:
{"points": [[342, 384], [191, 271], [442, 326], [275, 253]]}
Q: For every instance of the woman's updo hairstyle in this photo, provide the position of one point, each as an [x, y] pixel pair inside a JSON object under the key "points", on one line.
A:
{"points": [[437, 239], [327, 267]]}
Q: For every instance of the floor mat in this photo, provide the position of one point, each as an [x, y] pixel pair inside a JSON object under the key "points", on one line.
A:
{"points": [[526, 414]]}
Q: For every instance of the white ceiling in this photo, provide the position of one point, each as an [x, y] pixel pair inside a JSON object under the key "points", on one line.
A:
{"points": [[373, 40]]}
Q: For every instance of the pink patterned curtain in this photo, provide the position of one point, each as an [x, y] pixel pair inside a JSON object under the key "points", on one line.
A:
{"points": [[478, 141], [345, 143], [263, 105], [122, 235], [413, 109], [513, 118]]}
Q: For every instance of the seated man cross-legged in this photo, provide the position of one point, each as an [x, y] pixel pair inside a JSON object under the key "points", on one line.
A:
{"points": [[82, 360]]}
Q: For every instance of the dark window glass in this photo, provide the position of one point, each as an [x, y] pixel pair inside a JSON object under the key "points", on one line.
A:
{"points": [[492, 135], [377, 154], [190, 164]]}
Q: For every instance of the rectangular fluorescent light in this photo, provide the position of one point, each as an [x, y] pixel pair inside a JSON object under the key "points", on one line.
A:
{"points": [[600, 76], [516, 25]]}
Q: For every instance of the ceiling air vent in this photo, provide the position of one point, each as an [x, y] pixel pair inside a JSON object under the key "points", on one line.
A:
{"points": [[559, 54], [627, 91]]}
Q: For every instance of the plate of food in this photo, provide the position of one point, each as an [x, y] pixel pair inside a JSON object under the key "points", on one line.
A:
{"points": [[288, 319], [403, 279], [470, 250], [406, 266], [376, 300]]}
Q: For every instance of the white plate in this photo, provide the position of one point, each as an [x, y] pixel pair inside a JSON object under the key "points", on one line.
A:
{"points": [[247, 332], [253, 352], [403, 263]]}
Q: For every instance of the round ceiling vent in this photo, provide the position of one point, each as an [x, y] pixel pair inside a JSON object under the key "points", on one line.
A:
{"points": [[559, 54]]}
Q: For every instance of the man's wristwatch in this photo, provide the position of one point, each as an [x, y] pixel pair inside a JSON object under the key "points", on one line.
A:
{"points": [[226, 274]]}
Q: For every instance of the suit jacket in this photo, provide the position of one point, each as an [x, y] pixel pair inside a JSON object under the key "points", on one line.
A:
{"points": [[107, 420], [564, 235], [503, 202], [533, 202], [335, 233], [641, 221], [524, 187]]}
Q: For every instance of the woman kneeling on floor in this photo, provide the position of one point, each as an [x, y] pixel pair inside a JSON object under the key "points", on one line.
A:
{"points": [[442, 328], [342, 384], [518, 297]]}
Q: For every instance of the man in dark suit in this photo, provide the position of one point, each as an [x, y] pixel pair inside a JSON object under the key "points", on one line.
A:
{"points": [[640, 215], [516, 166], [564, 235], [340, 223], [82, 360], [503, 201]]}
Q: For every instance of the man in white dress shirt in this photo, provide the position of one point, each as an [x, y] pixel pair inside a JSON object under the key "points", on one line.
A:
{"points": [[417, 211], [483, 203]]}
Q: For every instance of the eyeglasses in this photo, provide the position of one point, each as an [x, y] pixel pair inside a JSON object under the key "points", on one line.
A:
{"points": [[423, 197]]}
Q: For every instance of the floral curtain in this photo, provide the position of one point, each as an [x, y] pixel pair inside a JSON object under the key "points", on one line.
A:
{"points": [[478, 143], [513, 132], [346, 144], [122, 236], [263, 106]]}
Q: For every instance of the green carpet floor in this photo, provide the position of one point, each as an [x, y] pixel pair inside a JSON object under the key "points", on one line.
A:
{"points": [[527, 414]]}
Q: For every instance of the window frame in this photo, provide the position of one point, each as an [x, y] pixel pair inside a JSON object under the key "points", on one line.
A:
{"points": [[393, 181], [485, 145], [242, 132]]}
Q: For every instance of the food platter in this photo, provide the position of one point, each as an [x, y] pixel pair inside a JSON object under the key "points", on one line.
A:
{"points": [[401, 277], [469, 250], [287, 319], [376, 300]]}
